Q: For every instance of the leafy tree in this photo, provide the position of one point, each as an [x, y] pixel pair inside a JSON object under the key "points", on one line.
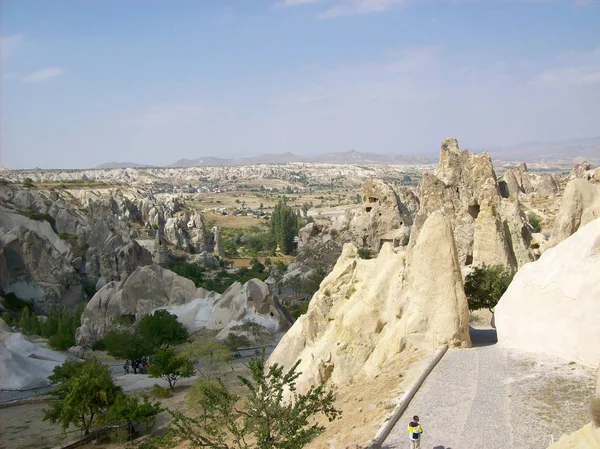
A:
{"points": [[127, 345], [284, 226], [84, 395], [162, 328], [27, 182], [130, 411], [213, 356], [35, 326], [169, 366], [535, 223], [235, 341], [266, 421], [485, 285]]}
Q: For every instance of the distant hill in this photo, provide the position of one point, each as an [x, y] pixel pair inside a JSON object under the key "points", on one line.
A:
{"points": [[564, 151], [110, 165], [347, 157]]}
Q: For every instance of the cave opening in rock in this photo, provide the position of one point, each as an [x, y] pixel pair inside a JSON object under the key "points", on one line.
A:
{"points": [[368, 209], [474, 210]]}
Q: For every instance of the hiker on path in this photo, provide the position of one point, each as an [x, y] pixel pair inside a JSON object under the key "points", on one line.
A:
{"points": [[415, 431], [126, 367]]}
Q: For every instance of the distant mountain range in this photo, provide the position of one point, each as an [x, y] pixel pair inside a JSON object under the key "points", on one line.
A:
{"points": [[565, 152]]}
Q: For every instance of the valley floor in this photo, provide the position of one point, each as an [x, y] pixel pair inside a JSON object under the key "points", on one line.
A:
{"points": [[492, 397]]}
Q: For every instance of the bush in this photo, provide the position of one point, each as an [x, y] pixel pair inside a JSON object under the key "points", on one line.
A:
{"points": [[364, 253], [167, 440], [234, 341], [99, 345], [27, 182], [534, 221], [485, 285], [595, 410], [159, 392], [301, 309]]}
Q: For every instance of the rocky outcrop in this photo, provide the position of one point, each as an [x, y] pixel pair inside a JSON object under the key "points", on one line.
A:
{"points": [[35, 264], [519, 181], [151, 287], [487, 227], [561, 289], [187, 231], [367, 312], [23, 364], [580, 205]]}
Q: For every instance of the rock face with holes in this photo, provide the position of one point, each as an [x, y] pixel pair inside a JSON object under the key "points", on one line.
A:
{"points": [[562, 289], [151, 287], [487, 227], [580, 205], [367, 312]]}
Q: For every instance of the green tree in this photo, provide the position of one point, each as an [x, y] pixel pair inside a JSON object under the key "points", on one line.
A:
{"points": [[162, 328], [27, 182], [130, 411], [84, 395], [311, 284], [267, 421], [127, 345], [485, 285], [36, 328], [167, 365], [284, 226], [212, 356], [535, 223]]}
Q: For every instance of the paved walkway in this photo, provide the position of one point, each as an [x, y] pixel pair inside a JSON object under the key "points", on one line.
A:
{"points": [[479, 398]]}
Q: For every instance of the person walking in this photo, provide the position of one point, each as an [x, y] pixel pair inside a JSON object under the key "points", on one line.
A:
{"points": [[415, 431], [126, 367]]}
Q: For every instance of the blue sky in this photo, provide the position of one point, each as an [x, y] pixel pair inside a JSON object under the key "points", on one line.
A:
{"points": [[86, 82]]}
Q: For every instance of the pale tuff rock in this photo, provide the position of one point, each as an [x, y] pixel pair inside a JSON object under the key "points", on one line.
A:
{"points": [[487, 227], [518, 181], [366, 312], [562, 289], [580, 170], [580, 205], [35, 263], [23, 364], [187, 231], [152, 287], [588, 437]]}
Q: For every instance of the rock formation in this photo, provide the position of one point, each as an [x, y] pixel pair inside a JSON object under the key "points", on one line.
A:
{"points": [[151, 287], [580, 204], [368, 311], [23, 364], [187, 231], [519, 181], [552, 305], [487, 227]]}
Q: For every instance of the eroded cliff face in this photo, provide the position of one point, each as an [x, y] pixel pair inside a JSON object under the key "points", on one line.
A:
{"points": [[561, 289], [367, 312], [487, 228], [57, 240]]}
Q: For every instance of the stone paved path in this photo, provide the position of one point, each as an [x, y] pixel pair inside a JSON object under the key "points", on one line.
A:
{"points": [[479, 398]]}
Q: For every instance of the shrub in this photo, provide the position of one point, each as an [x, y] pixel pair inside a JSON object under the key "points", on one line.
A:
{"points": [[99, 345], [595, 410], [485, 285], [364, 253], [534, 221], [27, 182], [159, 392]]}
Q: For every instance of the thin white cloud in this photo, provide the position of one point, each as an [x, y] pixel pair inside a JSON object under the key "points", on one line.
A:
{"points": [[569, 77], [9, 44], [352, 7], [42, 75]]}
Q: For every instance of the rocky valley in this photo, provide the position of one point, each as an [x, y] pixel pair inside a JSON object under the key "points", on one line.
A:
{"points": [[354, 274]]}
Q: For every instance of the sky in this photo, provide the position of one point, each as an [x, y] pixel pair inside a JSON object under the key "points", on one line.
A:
{"points": [[91, 81]]}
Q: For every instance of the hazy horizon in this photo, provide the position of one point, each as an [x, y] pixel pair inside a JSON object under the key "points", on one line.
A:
{"points": [[86, 83]]}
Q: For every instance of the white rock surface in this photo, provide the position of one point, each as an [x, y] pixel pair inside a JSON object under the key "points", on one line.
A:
{"points": [[151, 288], [553, 305], [367, 312], [23, 364]]}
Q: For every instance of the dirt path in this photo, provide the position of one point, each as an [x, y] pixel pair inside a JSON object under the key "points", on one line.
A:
{"points": [[491, 397]]}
